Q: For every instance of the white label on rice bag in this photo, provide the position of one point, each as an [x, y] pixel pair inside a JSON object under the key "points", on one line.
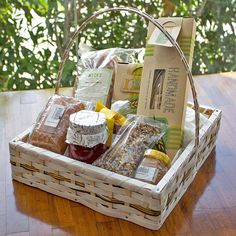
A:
{"points": [[55, 115], [146, 173]]}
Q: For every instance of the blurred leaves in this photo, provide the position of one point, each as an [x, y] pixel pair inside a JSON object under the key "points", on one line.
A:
{"points": [[33, 34]]}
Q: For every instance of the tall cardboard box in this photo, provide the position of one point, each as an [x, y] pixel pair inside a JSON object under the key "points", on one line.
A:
{"points": [[164, 85]]}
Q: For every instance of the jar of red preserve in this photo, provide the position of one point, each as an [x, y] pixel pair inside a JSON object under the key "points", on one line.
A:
{"points": [[87, 135]]}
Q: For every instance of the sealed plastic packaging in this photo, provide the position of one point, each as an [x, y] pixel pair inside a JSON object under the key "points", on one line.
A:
{"points": [[96, 75], [126, 107], [189, 125], [114, 120], [97, 71], [91, 58], [51, 126], [129, 146]]}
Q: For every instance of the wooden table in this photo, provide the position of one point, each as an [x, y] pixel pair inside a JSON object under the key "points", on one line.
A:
{"points": [[207, 208]]}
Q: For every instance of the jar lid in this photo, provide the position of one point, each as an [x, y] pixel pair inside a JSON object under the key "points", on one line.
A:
{"points": [[87, 122], [88, 140], [158, 155]]}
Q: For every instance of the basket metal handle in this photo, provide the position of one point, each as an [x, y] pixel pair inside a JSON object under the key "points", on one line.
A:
{"points": [[161, 28]]}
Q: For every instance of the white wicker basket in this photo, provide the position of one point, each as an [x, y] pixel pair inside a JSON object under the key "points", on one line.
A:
{"points": [[107, 192]]}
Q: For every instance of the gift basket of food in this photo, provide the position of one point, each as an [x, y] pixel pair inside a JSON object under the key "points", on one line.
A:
{"points": [[127, 144]]}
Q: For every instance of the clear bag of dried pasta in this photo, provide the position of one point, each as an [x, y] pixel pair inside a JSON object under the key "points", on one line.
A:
{"points": [[51, 126], [127, 151], [97, 71]]}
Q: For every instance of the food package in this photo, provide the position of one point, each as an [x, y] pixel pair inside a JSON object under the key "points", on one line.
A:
{"points": [[87, 128], [126, 107], [114, 120], [153, 167], [164, 85], [97, 71], [129, 146], [51, 126], [127, 81], [87, 135], [189, 126]]}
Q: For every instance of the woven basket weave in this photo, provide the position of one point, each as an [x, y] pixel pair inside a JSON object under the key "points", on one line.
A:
{"points": [[107, 192]]}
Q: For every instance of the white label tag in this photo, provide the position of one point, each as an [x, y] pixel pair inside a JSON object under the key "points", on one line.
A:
{"points": [[94, 85], [159, 38], [146, 173], [55, 115]]}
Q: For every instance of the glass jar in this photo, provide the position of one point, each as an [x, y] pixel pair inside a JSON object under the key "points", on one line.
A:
{"points": [[87, 135], [153, 167], [86, 154]]}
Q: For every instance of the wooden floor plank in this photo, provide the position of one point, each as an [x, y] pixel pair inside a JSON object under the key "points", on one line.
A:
{"points": [[19, 234], [85, 220], [231, 213], [3, 225], [38, 228], [103, 218], [61, 232], [178, 223], [219, 219], [200, 224], [129, 229], [109, 228], [15, 220], [2, 198], [226, 232], [64, 212]]}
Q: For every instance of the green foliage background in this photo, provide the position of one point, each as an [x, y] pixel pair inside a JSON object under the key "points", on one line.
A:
{"points": [[30, 60]]}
